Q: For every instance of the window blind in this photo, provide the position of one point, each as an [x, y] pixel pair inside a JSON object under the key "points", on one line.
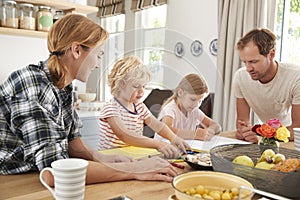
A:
{"points": [[137, 5], [110, 7]]}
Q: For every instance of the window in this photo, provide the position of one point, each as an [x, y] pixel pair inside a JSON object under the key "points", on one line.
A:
{"points": [[114, 50], [152, 23], [288, 30]]}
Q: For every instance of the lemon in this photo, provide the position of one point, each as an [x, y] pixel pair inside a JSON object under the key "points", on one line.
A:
{"points": [[264, 165], [266, 155], [243, 160], [278, 158]]}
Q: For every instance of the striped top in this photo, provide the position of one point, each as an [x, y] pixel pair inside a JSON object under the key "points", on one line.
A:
{"points": [[133, 121]]}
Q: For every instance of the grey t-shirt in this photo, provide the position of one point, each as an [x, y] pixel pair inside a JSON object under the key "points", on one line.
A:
{"points": [[273, 99]]}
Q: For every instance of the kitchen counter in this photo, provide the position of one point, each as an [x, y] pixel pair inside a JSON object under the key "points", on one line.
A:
{"points": [[83, 114]]}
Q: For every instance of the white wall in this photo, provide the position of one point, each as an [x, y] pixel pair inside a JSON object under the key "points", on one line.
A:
{"points": [[186, 23], [17, 52]]}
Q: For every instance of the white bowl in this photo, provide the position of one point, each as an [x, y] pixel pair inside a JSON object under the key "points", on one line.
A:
{"points": [[210, 180], [87, 97]]}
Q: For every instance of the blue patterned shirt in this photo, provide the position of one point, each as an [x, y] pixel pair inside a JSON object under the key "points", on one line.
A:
{"points": [[37, 120]]}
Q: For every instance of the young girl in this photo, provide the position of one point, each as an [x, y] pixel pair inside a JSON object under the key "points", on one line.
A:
{"points": [[182, 114], [123, 117]]}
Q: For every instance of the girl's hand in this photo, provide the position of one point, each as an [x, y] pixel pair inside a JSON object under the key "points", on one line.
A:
{"points": [[203, 134]]}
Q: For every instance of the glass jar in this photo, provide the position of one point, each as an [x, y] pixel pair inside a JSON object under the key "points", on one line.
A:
{"points": [[44, 18], [9, 14], [26, 16], [58, 14]]}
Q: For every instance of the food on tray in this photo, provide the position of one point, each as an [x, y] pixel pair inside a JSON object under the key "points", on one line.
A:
{"points": [[202, 192], [243, 160], [287, 165], [200, 159]]}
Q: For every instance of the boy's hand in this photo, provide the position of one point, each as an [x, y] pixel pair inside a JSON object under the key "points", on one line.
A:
{"points": [[180, 144]]}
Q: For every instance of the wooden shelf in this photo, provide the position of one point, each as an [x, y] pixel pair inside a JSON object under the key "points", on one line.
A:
{"points": [[23, 32], [56, 4]]}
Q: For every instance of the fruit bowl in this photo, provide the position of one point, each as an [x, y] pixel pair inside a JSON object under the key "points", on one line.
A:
{"points": [[210, 180], [281, 183]]}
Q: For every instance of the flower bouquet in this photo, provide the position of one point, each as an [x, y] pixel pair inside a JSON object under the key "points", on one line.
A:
{"points": [[271, 132]]}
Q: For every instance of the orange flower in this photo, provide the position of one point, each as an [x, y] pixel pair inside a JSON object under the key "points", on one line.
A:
{"points": [[266, 131]]}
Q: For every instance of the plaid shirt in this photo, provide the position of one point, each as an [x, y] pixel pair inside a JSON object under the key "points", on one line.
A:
{"points": [[37, 120]]}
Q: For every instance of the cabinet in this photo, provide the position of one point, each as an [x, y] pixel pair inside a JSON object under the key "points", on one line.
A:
{"points": [[90, 130], [56, 4]]}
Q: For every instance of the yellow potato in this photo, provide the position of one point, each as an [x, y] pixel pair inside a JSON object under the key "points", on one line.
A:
{"points": [[200, 189], [215, 195], [212, 194], [226, 196]]}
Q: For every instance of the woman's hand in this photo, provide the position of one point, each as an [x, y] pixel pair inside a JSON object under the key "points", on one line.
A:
{"points": [[113, 158], [153, 168]]}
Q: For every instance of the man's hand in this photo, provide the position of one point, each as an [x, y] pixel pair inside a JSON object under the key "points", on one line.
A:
{"points": [[244, 132]]}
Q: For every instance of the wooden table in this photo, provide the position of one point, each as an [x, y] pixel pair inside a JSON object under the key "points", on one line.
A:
{"points": [[231, 134], [28, 186]]}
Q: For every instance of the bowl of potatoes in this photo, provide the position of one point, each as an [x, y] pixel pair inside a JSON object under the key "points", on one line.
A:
{"points": [[197, 185]]}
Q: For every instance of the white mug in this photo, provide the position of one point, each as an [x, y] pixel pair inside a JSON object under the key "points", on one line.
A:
{"points": [[69, 178], [297, 138]]}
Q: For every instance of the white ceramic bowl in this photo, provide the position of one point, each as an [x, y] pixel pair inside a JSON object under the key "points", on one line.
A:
{"points": [[210, 180], [87, 97]]}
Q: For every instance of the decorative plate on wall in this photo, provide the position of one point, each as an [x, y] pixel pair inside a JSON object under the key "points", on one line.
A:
{"points": [[196, 48], [179, 49], [213, 47]]}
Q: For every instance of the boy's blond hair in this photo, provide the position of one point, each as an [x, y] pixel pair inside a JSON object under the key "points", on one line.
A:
{"points": [[126, 70]]}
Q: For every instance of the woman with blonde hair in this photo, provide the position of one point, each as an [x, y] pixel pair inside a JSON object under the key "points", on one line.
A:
{"points": [[38, 123], [122, 118], [182, 114]]}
